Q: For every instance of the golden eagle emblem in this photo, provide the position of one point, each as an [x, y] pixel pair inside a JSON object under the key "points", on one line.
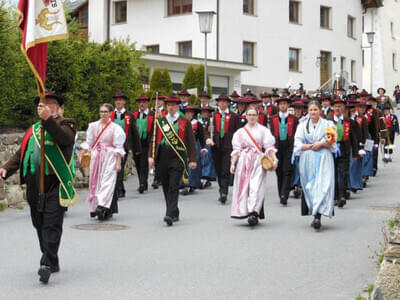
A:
{"points": [[43, 19]]}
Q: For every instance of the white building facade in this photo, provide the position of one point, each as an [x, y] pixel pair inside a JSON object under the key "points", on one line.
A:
{"points": [[384, 22], [257, 44]]}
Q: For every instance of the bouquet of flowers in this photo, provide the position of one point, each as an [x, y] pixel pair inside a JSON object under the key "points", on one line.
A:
{"points": [[331, 135]]}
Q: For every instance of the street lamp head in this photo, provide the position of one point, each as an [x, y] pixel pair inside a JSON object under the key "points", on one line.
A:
{"points": [[206, 20], [370, 37]]}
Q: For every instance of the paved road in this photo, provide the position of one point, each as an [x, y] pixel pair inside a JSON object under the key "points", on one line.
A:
{"points": [[206, 255]]}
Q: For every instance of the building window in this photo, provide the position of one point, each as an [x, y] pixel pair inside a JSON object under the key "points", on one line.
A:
{"points": [[248, 7], [154, 49], [362, 24], [178, 7], [83, 17], [394, 61], [392, 30], [120, 12], [294, 60], [353, 70], [362, 57], [248, 53], [351, 27], [342, 63], [185, 49], [294, 12], [325, 14]]}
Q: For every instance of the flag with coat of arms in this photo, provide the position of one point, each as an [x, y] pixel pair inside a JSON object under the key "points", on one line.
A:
{"points": [[40, 22]]}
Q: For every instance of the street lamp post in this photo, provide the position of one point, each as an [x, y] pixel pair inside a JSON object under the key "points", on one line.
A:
{"points": [[370, 37], [205, 22]]}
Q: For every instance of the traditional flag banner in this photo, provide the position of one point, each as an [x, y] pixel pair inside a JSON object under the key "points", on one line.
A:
{"points": [[40, 21]]}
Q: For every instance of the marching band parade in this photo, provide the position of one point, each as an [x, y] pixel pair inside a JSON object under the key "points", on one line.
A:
{"points": [[323, 147]]}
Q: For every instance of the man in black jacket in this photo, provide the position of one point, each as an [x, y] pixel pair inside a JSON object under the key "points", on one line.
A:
{"points": [[126, 120]]}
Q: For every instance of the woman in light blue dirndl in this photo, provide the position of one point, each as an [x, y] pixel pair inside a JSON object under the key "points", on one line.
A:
{"points": [[316, 164]]}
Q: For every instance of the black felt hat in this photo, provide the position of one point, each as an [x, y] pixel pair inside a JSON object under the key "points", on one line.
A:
{"points": [[49, 94]]}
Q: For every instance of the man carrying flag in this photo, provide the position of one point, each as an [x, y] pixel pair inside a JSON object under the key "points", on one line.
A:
{"points": [[45, 156], [173, 146]]}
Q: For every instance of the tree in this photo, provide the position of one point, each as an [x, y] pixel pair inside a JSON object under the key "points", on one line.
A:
{"points": [[17, 88], [190, 80], [200, 80], [166, 82], [194, 78], [156, 80]]}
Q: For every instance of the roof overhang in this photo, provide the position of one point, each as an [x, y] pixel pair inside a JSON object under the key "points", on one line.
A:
{"points": [[180, 60]]}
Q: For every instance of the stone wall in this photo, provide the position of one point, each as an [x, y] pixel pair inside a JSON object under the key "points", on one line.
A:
{"points": [[387, 284], [11, 192]]}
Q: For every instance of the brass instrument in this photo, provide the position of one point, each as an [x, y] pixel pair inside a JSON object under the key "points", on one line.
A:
{"points": [[389, 145], [386, 135]]}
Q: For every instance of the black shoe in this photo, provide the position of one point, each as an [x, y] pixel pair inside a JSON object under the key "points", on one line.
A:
{"points": [[100, 212], [374, 172], [364, 184], [175, 219], [385, 160], [142, 188], [185, 192], [252, 220], [297, 192], [389, 160], [347, 195], [341, 203], [168, 220], [222, 198], [283, 200], [154, 185], [317, 224], [191, 190], [44, 273], [354, 191], [121, 194], [55, 269], [207, 184]]}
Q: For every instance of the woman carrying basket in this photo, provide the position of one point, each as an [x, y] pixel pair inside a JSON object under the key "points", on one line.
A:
{"points": [[105, 141], [250, 144]]}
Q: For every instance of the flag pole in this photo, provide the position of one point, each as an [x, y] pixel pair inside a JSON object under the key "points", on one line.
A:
{"points": [[155, 127], [42, 156]]}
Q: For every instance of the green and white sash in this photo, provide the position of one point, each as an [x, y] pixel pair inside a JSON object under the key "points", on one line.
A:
{"points": [[61, 168], [175, 142]]}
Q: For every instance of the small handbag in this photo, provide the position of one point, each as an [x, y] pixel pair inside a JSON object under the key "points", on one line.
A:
{"points": [[266, 162], [85, 157]]}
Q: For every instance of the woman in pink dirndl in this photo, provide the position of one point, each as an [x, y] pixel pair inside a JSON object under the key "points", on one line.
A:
{"points": [[105, 140], [250, 143]]}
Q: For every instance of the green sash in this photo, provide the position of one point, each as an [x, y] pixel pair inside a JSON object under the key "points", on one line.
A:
{"points": [[283, 131], [120, 123], [340, 132], [174, 141], [61, 168], [141, 125]]}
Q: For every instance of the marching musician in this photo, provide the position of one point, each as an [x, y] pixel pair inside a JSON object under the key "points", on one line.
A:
{"points": [[173, 146], [127, 122], [220, 140]]}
